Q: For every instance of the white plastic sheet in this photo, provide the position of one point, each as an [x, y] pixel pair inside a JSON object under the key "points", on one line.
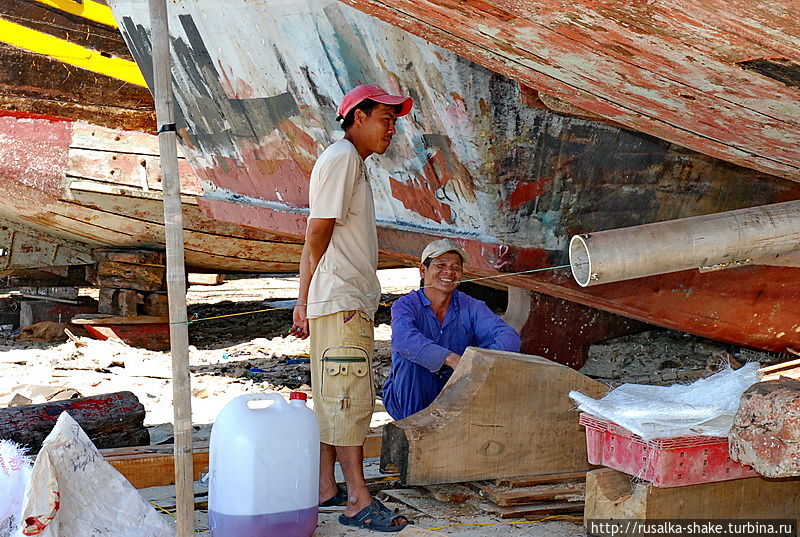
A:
{"points": [[704, 407], [15, 473], [74, 492]]}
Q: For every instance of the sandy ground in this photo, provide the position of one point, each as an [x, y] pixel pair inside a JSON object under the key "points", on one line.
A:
{"points": [[252, 353]]}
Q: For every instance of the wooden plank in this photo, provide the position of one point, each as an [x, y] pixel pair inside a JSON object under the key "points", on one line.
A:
{"points": [[534, 510], [102, 320], [153, 466], [500, 414], [134, 256], [539, 493], [531, 480], [205, 279], [130, 276], [612, 494]]}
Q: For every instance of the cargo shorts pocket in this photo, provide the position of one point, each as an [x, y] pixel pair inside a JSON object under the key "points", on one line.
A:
{"points": [[346, 378]]}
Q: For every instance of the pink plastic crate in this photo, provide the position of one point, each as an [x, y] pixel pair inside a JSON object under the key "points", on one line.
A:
{"points": [[665, 462]]}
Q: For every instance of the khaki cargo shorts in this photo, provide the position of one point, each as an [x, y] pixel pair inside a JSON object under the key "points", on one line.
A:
{"points": [[341, 376]]}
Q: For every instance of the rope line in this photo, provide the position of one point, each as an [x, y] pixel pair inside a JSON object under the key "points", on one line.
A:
{"points": [[504, 275]]}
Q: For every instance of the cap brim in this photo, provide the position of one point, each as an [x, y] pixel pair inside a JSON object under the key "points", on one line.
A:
{"points": [[393, 100]]}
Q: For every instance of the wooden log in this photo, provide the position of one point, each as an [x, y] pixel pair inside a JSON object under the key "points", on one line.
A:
{"points": [[500, 415], [110, 420], [130, 276], [612, 494]]}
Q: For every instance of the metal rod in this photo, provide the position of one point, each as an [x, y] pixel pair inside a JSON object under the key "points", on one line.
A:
{"points": [[766, 235], [176, 273]]}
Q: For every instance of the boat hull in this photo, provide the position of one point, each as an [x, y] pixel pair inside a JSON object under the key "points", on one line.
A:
{"points": [[480, 160]]}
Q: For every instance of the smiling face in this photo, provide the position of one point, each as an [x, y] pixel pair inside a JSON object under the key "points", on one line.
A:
{"points": [[443, 273], [372, 131]]}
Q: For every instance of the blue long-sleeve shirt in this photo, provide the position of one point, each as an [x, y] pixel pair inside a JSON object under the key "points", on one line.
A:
{"points": [[420, 344]]}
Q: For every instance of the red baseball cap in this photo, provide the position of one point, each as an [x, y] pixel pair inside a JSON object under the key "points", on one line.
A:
{"points": [[377, 94]]}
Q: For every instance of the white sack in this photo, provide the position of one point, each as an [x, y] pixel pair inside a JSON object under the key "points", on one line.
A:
{"points": [[15, 473], [704, 407], [74, 492]]}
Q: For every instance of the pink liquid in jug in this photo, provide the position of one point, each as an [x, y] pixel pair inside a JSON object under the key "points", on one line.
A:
{"points": [[300, 523]]}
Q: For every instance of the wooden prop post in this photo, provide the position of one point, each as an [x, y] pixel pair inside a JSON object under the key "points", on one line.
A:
{"points": [[176, 275]]}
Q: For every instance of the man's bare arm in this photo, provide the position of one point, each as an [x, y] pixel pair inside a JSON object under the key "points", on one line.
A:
{"points": [[318, 236]]}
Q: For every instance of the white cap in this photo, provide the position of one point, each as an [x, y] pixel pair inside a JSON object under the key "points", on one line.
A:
{"points": [[442, 246]]}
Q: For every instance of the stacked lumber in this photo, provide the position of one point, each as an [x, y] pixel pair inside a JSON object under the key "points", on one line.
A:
{"points": [[534, 497], [130, 282], [132, 304], [790, 369]]}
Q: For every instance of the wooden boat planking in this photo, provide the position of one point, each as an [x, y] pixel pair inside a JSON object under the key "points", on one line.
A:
{"points": [[89, 186], [37, 43], [719, 77]]}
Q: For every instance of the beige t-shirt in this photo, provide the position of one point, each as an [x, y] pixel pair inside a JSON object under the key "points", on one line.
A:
{"points": [[345, 278]]}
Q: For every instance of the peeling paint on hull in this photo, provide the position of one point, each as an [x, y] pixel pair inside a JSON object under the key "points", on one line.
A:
{"points": [[477, 160], [85, 186]]}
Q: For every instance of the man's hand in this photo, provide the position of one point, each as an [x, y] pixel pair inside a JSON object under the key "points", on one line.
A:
{"points": [[452, 360], [299, 322]]}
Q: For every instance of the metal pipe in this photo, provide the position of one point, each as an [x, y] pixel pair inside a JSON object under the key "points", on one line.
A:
{"points": [[757, 235]]}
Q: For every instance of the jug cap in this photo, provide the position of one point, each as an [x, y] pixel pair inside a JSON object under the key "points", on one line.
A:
{"points": [[298, 395]]}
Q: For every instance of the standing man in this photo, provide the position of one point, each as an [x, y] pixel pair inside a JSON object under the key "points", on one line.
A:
{"points": [[339, 294]]}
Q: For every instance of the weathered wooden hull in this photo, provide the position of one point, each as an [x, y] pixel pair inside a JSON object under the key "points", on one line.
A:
{"points": [[69, 187], [480, 159], [68, 60], [721, 77]]}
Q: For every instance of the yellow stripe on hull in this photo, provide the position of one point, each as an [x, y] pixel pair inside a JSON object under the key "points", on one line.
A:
{"points": [[93, 11], [66, 52]]}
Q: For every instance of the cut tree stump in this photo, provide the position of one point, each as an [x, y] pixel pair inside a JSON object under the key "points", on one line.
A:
{"points": [[110, 420], [613, 494], [501, 414]]}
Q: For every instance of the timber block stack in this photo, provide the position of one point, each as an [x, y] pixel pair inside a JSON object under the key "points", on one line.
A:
{"points": [[131, 282], [534, 497]]}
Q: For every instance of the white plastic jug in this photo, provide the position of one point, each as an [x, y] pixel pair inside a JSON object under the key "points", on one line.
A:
{"points": [[264, 468]]}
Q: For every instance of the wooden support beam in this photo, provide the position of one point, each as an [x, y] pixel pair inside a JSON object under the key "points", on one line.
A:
{"points": [[501, 414], [612, 494]]}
